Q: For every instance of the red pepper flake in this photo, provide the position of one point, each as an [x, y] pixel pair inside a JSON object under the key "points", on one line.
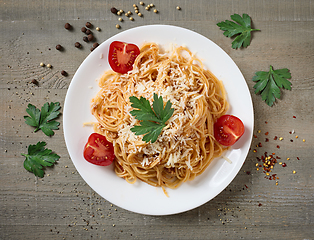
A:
{"points": [[291, 140], [298, 158], [255, 136], [266, 140], [260, 204], [248, 172], [260, 144], [294, 117], [278, 146], [246, 186], [266, 133], [275, 138], [284, 165], [266, 122]]}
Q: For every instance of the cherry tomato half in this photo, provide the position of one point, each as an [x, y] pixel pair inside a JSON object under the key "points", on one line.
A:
{"points": [[98, 150], [228, 129], [122, 55]]}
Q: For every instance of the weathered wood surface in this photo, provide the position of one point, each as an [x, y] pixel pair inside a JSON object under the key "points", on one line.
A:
{"points": [[62, 206]]}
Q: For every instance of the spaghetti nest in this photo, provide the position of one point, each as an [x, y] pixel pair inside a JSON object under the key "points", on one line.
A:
{"points": [[186, 145]]}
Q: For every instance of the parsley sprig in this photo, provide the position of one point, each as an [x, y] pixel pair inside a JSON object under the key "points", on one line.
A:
{"points": [[152, 120], [240, 27], [38, 157], [269, 83], [43, 119]]}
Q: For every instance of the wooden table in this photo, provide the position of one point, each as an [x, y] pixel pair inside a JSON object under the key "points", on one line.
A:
{"points": [[62, 206]]}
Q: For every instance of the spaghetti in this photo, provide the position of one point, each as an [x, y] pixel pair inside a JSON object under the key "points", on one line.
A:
{"points": [[186, 145]]}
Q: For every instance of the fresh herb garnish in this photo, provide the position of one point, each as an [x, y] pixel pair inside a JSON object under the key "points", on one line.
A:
{"points": [[43, 119], [152, 120], [38, 157], [242, 30], [269, 83]]}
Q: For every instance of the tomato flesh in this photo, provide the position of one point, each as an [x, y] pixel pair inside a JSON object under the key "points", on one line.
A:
{"points": [[98, 150], [228, 129], [122, 55]]}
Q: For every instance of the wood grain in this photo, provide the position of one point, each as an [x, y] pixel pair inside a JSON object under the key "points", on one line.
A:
{"points": [[62, 206]]}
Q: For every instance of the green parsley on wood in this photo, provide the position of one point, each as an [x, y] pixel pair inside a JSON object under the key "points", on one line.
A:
{"points": [[39, 157], [241, 28], [268, 84], [152, 120], [43, 119]]}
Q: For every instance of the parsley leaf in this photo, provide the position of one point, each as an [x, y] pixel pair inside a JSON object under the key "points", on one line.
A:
{"points": [[43, 119], [38, 157], [242, 30], [152, 120], [269, 83]]}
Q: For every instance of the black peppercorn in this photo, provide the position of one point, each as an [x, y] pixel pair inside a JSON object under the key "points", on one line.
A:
{"points": [[35, 82], [92, 49], [59, 47], [67, 26], [64, 73], [85, 39], [95, 45], [83, 29], [78, 45], [114, 10], [88, 32], [90, 37], [88, 25]]}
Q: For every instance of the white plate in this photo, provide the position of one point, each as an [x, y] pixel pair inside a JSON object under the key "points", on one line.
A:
{"points": [[141, 197]]}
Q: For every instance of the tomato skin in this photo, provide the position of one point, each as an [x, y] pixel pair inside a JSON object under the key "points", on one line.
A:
{"points": [[98, 150], [228, 129], [122, 55]]}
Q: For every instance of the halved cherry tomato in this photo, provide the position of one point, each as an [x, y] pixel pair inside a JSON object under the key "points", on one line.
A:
{"points": [[98, 150], [122, 55], [228, 129]]}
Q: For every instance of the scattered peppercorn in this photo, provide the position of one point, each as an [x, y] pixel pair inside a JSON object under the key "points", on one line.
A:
{"points": [[155, 11], [131, 19], [49, 65], [120, 19], [35, 82], [85, 39], [67, 26], [59, 47], [97, 29], [283, 165], [88, 25], [42, 64], [178, 8], [92, 49], [90, 37], [114, 10], [83, 29], [95, 44], [64, 73], [140, 14], [87, 32], [141, 3], [118, 26], [78, 45]]}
